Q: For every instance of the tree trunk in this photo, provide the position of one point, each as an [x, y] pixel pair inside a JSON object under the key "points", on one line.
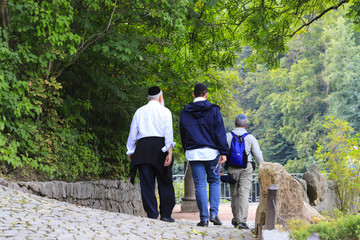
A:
{"points": [[4, 16]]}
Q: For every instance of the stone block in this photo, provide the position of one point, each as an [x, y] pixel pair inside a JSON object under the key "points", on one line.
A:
{"points": [[96, 204], [103, 182], [3, 182], [102, 194], [48, 190], [89, 189]]}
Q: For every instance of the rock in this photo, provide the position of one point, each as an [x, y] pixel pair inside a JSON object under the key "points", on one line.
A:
{"points": [[290, 203], [303, 185], [331, 199], [311, 214], [322, 193], [315, 236], [3, 182], [274, 235], [316, 184]]}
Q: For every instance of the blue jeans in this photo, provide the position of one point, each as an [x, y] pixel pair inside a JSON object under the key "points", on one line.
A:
{"points": [[203, 172]]}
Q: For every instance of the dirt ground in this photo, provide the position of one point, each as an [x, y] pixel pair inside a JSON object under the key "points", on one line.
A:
{"points": [[224, 213]]}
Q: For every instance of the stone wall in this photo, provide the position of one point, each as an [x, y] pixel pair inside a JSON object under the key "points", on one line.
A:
{"points": [[111, 195]]}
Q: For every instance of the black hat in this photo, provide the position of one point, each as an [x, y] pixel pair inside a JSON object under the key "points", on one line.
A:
{"points": [[155, 90], [200, 89]]}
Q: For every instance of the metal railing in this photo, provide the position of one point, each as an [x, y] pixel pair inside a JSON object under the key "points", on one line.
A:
{"points": [[178, 181]]}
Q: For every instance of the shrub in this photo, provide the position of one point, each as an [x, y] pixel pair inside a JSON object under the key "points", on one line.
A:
{"points": [[344, 228], [339, 156]]}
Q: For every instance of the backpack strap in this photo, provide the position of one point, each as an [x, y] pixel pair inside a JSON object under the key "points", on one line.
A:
{"points": [[236, 136], [244, 135]]}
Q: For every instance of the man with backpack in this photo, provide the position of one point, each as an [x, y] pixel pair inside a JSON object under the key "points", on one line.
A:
{"points": [[240, 167]]}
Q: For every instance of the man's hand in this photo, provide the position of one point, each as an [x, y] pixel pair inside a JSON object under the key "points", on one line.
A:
{"points": [[168, 157], [222, 159], [168, 160], [129, 157]]}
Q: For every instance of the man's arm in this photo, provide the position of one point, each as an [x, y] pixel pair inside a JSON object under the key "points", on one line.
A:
{"points": [[256, 151], [168, 131], [130, 144]]}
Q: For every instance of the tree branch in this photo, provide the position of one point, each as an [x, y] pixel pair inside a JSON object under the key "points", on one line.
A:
{"points": [[86, 44], [319, 16]]}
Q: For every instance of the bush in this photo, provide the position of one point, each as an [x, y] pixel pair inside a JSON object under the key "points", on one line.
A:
{"points": [[339, 156], [344, 228]]}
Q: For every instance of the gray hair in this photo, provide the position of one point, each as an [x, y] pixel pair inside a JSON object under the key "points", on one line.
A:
{"points": [[241, 120], [154, 97]]}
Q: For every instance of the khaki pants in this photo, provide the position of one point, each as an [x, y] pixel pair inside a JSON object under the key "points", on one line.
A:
{"points": [[240, 191]]}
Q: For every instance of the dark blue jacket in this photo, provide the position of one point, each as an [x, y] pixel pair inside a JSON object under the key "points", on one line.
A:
{"points": [[201, 125]]}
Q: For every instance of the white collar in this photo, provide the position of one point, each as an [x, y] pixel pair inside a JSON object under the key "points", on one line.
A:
{"points": [[199, 99]]}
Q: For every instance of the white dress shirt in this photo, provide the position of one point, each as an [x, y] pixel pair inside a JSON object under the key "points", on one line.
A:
{"points": [[201, 154], [151, 120]]}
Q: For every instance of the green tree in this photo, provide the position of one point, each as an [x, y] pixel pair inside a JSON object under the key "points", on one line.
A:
{"points": [[341, 73], [289, 104]]}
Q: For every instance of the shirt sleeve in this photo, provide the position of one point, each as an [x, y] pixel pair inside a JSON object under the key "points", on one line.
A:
{"points": [[168, 131], [228, 139], [256, 151], [130, 145]]}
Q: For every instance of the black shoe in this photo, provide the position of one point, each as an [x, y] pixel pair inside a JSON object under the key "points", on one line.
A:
{"points": [[234, 222], [169, 219], [203, 224], [215, 219], [242, 226]]}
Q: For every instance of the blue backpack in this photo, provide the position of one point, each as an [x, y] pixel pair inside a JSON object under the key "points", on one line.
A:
{"points": [[238, 156]]}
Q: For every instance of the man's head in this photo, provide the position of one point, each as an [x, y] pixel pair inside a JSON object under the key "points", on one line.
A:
{"points": [[241, 121], [155, 93], [200, 90]]}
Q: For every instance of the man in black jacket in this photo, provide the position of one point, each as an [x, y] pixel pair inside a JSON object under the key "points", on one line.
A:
{"points": [[203, 138]]}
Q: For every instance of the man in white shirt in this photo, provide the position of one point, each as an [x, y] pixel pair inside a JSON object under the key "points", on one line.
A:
{"points": [[240, 190], [150, 144]]}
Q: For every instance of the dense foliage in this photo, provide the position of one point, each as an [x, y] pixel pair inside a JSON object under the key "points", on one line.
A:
{"points": [[330, 228], [73, 73]]}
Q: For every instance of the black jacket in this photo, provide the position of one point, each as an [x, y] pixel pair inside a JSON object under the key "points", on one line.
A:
{"points": [[201, 125]]}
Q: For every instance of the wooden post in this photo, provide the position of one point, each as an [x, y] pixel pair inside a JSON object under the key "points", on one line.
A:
{"points": [[270, 219]]}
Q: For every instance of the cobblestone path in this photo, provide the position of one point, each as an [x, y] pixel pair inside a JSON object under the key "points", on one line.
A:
{"points": [[28, 216]]}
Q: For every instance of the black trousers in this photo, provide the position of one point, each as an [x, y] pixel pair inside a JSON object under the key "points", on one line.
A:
{"points": [[147, 175]]}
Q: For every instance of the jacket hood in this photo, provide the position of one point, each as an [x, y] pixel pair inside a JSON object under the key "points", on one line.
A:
{"points": [[198, 109]]}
